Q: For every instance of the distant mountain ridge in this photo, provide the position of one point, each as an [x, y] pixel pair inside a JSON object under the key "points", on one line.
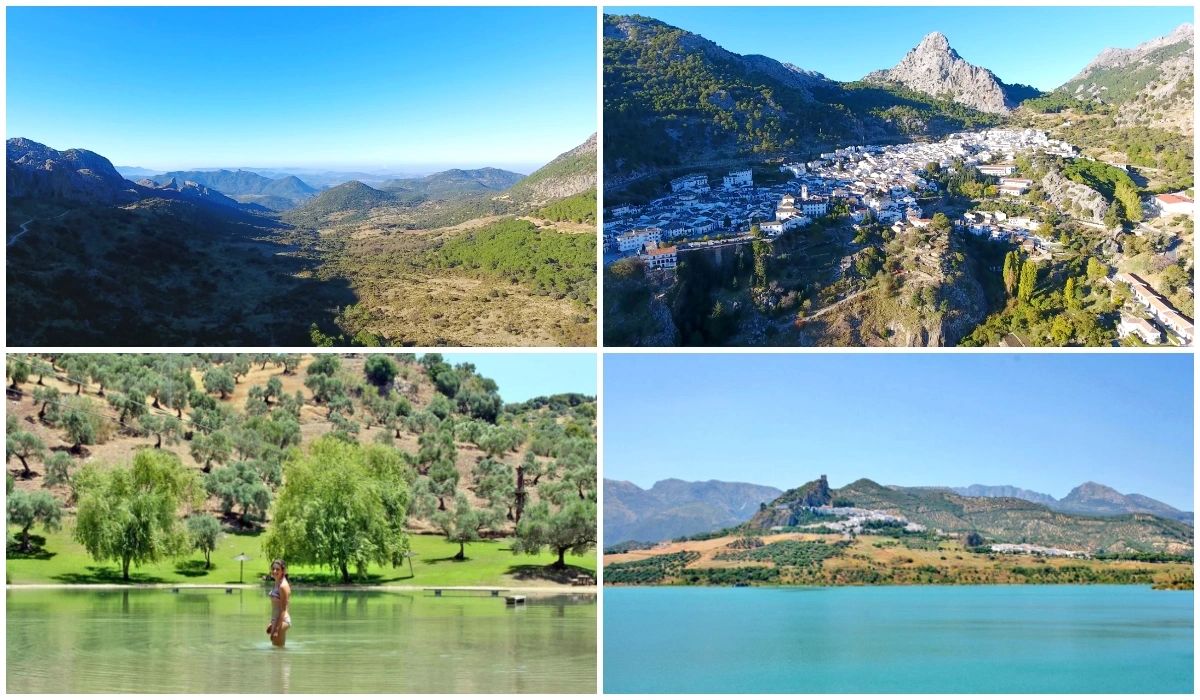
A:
{"points": [[502, 191], [455, 182], [675, 508], [996, 518], [936, 69], [1089, 498], [247, 186]]}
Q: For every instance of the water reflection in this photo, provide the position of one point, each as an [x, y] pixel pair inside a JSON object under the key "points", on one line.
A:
{"points": [[341, 641]]}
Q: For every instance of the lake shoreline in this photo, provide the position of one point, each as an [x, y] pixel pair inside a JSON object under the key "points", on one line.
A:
{"points": [[905, 584], [523, 590]]}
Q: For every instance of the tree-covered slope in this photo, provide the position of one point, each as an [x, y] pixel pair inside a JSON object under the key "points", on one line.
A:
{"points": [[672, 97]]}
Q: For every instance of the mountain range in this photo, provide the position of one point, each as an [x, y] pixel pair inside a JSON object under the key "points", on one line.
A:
{"points": [[36, 171], [1091, 515], [245, 186], [673, 98], [453, 183], [1089, 498], [997, 518], [568, 174], [674, 508]]}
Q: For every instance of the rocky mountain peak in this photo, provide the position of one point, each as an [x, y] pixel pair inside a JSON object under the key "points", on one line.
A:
{"points": [[935, 68], [935, 42]]}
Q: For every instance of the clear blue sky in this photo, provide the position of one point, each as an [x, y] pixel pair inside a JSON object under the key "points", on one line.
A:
{"points": [[1046, 422], [526, 375], [167, 88], [1039, 46]]}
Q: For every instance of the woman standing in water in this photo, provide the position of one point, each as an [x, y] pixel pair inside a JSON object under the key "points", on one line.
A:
{"points": [[280, 595]]}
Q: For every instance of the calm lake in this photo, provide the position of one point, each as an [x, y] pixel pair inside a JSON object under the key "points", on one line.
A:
{"points": [[899, 639], [208, 641]]}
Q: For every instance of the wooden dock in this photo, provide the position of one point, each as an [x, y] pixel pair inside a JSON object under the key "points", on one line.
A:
{"points": [[437, 591]]}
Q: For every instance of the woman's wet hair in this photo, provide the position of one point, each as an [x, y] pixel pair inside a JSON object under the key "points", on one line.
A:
{"points": [[281, 564]]}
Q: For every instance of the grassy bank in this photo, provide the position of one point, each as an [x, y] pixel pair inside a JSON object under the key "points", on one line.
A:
{"points": [[61, 560]]}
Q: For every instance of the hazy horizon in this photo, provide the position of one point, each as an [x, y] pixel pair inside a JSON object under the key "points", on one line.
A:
{"points": [[319, 87]]}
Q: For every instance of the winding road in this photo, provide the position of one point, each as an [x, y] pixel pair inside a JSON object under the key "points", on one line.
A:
{"points": [[25, 229]]}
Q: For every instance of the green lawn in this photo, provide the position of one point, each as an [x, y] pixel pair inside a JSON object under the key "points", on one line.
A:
{"points": [[62, 560]]}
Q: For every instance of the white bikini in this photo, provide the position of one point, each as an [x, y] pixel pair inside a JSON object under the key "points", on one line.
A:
{"points": [[276, 602]]}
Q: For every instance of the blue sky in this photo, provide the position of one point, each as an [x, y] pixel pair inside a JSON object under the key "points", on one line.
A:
{"points": [[526, 375], [1039, 46], [1038, 421], [168, 88]]}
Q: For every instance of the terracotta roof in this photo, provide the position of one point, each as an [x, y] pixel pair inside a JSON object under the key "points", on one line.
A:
{"points": [[1172, 199]]}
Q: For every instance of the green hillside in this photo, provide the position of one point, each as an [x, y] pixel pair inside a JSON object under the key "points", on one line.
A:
{"points": [[672, 97]]}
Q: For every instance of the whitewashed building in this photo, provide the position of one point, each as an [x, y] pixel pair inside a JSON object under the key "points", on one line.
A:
{"points": [[696, 182], [664, 258], [738, 179]]}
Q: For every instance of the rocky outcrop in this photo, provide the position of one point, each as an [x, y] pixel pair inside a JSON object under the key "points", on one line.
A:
{"points": [[787, 510], [1077, 199], [36, 170], [936, 69]]}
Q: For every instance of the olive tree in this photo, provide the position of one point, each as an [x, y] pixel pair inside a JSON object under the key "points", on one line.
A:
{"points": [[204, 531], [29, 508], [25, 446]]}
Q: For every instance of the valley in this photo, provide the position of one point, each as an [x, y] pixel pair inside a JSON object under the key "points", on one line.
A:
{"points": [[753, 203], [461, 257]]}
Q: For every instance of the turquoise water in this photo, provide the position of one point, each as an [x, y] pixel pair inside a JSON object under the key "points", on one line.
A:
{"points": [[206, 641], [900, 639]]}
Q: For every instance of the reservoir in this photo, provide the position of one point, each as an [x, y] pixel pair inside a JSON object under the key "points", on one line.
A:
{"points": [[210, 641], [898, 639]]}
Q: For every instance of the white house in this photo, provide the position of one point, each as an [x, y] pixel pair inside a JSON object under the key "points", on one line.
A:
{"points": [[1140, 327], [634, 240], [1173, 204], [660, 258], [1015, 185], [696, 182], [998, 169], [771, 228], [1159, 307], [736, 179]]}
